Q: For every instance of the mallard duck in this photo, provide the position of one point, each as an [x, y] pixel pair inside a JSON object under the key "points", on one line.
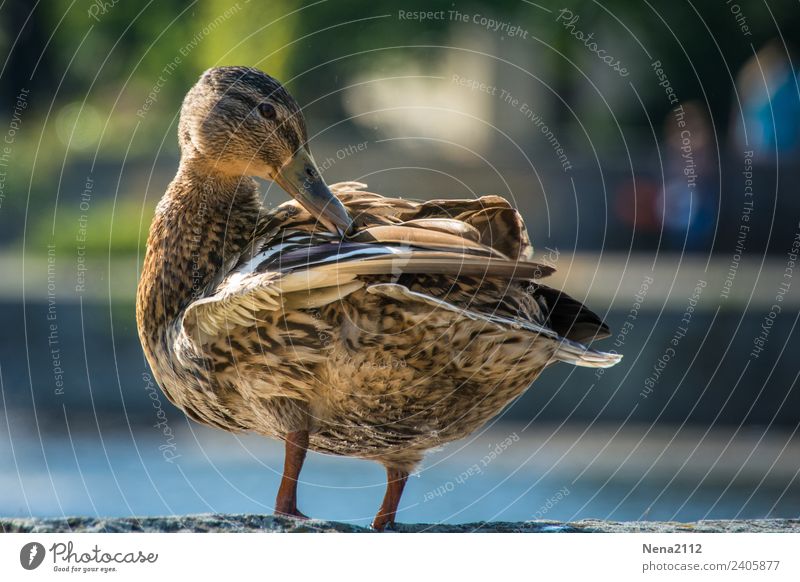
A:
{"points": [[342, 321]]}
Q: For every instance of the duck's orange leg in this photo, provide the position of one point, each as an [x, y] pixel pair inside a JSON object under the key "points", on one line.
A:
{"points": [[395, 482], [296, 447]]}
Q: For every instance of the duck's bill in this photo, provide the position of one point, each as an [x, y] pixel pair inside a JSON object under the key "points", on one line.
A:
{"points": [[302, 180]]}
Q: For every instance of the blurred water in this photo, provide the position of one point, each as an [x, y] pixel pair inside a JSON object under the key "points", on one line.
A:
{"points": [[549, 473], [715, 439]]}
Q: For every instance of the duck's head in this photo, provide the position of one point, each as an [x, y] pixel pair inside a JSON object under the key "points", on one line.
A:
{"points": [[243, 122]]}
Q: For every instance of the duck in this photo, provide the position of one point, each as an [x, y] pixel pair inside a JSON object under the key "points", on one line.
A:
{"points": [[342, 321]]}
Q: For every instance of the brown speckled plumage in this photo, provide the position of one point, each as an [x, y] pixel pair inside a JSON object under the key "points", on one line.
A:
{"points": [[413, 331]]}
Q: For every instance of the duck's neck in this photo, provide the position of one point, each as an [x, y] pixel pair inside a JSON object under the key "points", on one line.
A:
{"points": [[205, 218]]}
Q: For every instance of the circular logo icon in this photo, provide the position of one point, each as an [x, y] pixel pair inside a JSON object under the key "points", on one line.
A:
{"points": [[31, 555]]}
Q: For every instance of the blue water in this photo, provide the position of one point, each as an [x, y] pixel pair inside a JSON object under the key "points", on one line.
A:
{"points": [[92, 449], [122, 470]]}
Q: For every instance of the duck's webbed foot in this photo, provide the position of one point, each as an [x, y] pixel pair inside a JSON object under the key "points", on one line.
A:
{"points": [[396, 481], [296, 447]]}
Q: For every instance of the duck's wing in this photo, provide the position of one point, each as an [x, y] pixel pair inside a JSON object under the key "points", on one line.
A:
{"points": [[295, 264], [566, 349], [493, 222]]}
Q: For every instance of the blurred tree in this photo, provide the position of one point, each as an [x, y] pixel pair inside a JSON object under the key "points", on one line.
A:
{"points": [[93, 65]]}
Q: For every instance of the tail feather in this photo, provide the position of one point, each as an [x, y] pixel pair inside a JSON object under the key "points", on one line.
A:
{"points": [[567, 350], [579, 355]]}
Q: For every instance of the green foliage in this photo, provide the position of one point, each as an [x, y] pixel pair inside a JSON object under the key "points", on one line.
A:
{"points": [[110, 226], [108, 76]]}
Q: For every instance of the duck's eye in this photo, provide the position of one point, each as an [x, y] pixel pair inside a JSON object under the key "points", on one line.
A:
{"points": [[267, 110]]}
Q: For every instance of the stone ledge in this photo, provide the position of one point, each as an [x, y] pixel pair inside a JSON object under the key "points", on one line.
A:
{"points": [[271, 523]]}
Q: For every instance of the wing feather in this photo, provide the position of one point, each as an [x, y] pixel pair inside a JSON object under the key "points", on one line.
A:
{"points": [[293, 266]]}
